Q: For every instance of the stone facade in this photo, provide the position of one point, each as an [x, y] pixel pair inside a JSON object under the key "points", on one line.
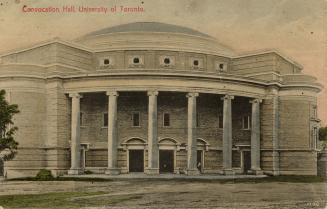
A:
{"points": [[125, 100]]}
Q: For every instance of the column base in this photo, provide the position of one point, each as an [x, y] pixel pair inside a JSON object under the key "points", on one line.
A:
{"points": [[193, 172], [112, 171], [75, 171], [256, 171], [275, 173], [152, 171], [228, 172]]}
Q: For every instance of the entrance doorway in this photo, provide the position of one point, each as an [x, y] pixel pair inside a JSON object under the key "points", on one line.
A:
{"points": [[136, 160], [166, 161], [199, 160], [246, 161], [1, 167]]}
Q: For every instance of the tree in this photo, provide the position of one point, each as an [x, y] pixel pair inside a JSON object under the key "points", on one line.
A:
{"points": [[8, 146], [323, 134]]}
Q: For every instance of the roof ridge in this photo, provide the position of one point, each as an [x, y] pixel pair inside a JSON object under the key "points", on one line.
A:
{"points": [[148, 26]]}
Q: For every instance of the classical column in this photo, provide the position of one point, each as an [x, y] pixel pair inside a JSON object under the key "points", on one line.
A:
{"points": [[227, 135], [153, 148], [255, 136], [75, 135], [191, 135], [112, 134]]}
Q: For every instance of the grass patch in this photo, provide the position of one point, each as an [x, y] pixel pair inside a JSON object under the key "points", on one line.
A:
{"points": [[107, 200], [61, 179], [289, 178], [65, 200]]}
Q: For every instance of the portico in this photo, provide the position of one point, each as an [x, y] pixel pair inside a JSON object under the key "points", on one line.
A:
{"points": [[151, 148]]}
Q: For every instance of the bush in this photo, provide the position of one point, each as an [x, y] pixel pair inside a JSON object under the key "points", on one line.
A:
{"points": [[44, 175]]}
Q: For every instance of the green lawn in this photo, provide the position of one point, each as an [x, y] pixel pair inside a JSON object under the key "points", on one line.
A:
{"points": [[65, 200], [289, 178]]}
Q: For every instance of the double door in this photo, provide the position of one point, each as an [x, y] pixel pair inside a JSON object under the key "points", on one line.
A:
{"points": [[136, 160], [166, 161]]}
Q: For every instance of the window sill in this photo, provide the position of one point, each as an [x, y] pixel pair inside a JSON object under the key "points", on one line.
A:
{"points": [[167, 66], [136, 66]]}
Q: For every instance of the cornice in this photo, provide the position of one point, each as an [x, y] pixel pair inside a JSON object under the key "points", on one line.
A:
{"points": [[44, 43], [269, 51], [202, 75], [82, 74]]}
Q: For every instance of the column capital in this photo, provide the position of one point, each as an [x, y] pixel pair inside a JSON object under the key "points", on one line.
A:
{"points": [[255, 100], [112, 93], [153, 93], [227, 97], [192, 94], [75, 95]]}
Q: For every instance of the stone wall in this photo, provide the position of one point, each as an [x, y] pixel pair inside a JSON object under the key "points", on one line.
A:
{"points": [[298, 163], [53, 53], [153, 60], [74, 57], [42, 55], [263, 63], [297, 156], [294, 116], [32, 130], [44, 127]]}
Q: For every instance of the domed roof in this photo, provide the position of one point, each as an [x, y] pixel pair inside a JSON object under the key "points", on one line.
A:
{"points": [[153, 36], [148, 27]]}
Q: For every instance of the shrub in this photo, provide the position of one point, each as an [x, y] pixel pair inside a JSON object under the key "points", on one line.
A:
{"points": [[44, 175]]}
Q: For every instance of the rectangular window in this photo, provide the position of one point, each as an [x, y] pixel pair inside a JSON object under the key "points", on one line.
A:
{"points": [[314, 137], [105, 120], [81, 119], [166, 120], [220, 121], [246, 121], [315, 114], [197, 119], [136, 119]]}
